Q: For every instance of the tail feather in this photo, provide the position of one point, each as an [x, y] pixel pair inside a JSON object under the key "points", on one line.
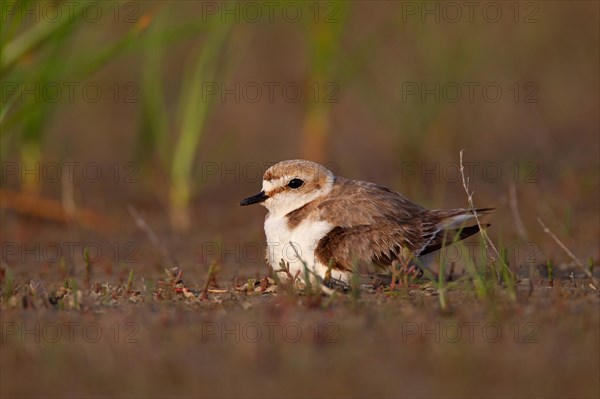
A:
{"points": [[455, 218], [447, 237], [450, 226]]}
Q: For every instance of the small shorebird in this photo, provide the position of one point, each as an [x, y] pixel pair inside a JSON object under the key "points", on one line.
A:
{"points": [[331, 225]]}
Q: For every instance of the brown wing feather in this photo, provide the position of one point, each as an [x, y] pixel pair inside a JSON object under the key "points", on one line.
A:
{"points": [[379, 225], [373, 223]]}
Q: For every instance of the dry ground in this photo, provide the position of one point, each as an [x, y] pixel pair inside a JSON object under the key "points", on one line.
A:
{"points": [[89, 332]]}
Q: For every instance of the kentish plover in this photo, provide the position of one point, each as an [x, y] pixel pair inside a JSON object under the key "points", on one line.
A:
{"points": [[330, 224]]}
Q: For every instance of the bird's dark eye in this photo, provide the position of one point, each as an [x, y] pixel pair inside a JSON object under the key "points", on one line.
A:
{"points": [[295, 183]]}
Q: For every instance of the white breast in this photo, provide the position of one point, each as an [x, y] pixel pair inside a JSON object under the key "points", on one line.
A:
{"points": [[296, 246]]}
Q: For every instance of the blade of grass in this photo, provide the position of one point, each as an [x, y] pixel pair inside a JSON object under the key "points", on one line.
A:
{"points": [[193, 119], [481, 288], [154, 126], [441, 277], [323, 43], [33, 38]]}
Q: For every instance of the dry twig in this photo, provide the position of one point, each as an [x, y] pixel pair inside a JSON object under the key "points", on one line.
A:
{"points": [[514, 207], [49, 209], [568, 251], [486, 239], [141, 223]]}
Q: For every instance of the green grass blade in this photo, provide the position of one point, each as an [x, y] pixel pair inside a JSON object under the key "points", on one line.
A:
{"points": [[195, 113], [33, 38]]}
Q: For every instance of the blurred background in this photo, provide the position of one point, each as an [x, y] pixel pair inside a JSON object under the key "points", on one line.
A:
{"points": [[131, 130], [177, 108]]}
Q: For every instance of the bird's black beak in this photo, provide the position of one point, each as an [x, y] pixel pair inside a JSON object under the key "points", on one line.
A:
{"points": [[255, 199]]}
